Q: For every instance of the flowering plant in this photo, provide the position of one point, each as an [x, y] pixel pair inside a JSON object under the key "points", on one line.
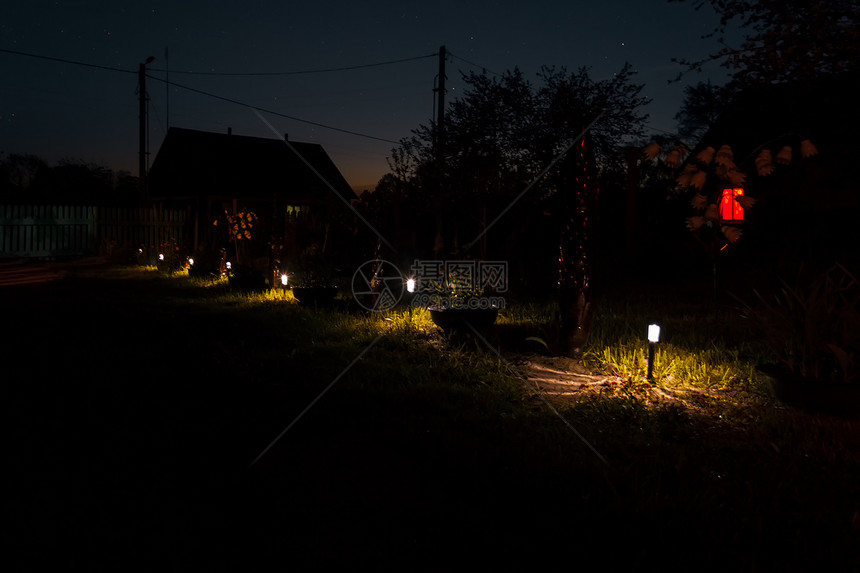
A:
{"points": [[240, 230]]}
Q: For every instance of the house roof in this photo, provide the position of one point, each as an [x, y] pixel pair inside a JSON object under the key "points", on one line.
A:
{"points": [[200, 163]]}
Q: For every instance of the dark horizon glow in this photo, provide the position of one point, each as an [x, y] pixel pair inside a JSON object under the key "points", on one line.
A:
{"points": [[380, 62]]}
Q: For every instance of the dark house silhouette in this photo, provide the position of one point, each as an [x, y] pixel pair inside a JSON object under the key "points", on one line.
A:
{"points": [[297, 192]]}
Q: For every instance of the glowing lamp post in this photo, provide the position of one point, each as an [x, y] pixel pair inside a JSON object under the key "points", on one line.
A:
{"points": [[653, 339], [285, 280], [410, 289]]}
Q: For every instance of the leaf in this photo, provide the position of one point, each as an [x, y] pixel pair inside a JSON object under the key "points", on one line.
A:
{"points": [[706, 155], [725, 156], [539, 340], [736, 178], [685, 179], [764, 163], [732, 234], [651, 150], [807, 149], [695, 223], [712, 213], [673, 159], [746, 202]]}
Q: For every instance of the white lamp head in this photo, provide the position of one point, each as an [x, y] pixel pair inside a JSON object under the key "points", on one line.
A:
{"points": [[653, 333]]}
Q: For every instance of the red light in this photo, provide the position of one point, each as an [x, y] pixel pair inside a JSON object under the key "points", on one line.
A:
{"points": [[730, 209]]}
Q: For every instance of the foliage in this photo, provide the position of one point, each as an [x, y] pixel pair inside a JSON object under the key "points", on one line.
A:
{"points": [[785, 40], [208, 262], [240, 231], [700, 109], [691, 354], [504, 131], [813, 325], [506, 134], [705, 176], [570, 101], [312, 270], [241, 225], [170, 258], [29, 178]]}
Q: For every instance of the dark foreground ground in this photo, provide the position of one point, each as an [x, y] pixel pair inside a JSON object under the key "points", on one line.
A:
{"points": [[134, 426], [132, 438]]}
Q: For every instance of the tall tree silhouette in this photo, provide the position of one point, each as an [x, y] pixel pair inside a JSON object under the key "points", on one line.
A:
{"points": [[784, 40], [511, 143]]}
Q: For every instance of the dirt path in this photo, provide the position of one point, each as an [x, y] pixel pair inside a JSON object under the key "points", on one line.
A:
{"points": [[561, 377], [19, 272], [567, 381]]}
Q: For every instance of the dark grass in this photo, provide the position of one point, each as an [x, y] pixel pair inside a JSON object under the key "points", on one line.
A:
{"points": [[138, 404]]}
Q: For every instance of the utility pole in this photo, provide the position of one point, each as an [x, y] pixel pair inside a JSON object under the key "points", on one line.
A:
{"points": [[440, 104], [439, 243], [141, 80]]}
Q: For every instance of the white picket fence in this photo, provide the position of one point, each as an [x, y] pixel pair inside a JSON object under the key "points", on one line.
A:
{"points": [[36, 231]]}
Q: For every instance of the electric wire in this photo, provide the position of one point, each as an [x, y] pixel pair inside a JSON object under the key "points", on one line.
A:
{"points": [[301, 72], [65, 61], [230, 100], [272, 112], [474, 65], [288, 73]]}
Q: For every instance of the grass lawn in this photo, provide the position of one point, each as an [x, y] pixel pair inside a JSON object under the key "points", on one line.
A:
{"points": [[140, 403]]}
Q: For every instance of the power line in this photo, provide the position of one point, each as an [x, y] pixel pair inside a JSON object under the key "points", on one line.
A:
{"points": [[230, 100], [474, 65], [272, 112], [300, 72], [64, 61], [290, 73]]}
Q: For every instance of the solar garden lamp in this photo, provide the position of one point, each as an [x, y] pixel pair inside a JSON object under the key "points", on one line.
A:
{"points": [[653, 339], [410, 290]]}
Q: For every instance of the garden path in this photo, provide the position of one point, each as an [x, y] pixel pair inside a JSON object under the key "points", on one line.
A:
{"points": [[18, 272], [568, 381]]}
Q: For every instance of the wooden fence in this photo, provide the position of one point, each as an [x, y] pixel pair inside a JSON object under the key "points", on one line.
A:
{"points": [[35, 231]]}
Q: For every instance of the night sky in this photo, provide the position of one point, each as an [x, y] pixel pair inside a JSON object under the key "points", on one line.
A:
{"points": [[60, 110]]}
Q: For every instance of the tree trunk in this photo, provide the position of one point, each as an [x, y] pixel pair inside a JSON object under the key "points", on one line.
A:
{"points": [[577, 250]]}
